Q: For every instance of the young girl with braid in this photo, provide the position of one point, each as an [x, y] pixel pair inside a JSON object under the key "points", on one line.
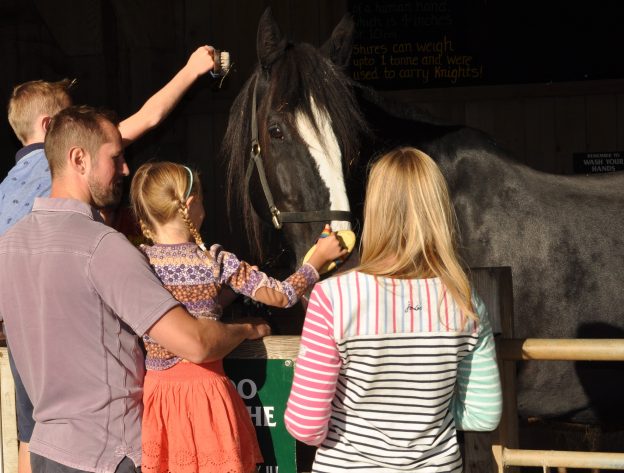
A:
{"points": [[194, 420]]}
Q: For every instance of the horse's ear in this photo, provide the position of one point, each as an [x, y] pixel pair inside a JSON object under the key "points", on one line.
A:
{"points": [[270, 42], [338, 47]]}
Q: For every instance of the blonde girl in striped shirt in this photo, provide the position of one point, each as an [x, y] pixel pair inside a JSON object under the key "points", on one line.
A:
{"points": [[397, 354]]}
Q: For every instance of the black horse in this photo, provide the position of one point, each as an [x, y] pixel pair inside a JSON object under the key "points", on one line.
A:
{"points": [[562, 236]]}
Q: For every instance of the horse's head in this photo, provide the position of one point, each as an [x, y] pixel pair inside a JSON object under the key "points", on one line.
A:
{"points": [[300, 108]]}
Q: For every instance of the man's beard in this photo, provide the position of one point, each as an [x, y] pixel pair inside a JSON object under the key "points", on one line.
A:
{"points": [[103, 197]]}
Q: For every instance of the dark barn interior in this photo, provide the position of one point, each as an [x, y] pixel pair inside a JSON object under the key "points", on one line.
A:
{"points": [[546, 81]]}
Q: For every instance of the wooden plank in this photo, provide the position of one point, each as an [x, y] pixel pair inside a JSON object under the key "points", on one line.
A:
{"points": [[568, 349], [479, 115], [539, 124], [504, 120], [453, 112], [8, 424], [568, 459], [508, 126], [570, 132], [601, 123]]}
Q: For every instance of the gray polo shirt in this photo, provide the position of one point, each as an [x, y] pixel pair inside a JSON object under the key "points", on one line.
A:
{"points": [[73, 295]]}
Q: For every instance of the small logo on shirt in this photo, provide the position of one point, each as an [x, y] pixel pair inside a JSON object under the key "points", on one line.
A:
{"points": [[412, 307]]}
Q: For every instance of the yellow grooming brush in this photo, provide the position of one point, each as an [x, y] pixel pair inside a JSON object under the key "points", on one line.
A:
{"points": [[347, 240]]}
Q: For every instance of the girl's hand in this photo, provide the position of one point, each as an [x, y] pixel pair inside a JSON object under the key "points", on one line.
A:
{"points": [[328, 249]]}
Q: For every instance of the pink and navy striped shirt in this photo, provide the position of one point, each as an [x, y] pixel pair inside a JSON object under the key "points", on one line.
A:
{"points": [[387, 370]]}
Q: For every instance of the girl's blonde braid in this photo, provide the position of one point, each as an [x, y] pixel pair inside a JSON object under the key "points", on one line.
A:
{"points": [[187, 220], [145, 230]]}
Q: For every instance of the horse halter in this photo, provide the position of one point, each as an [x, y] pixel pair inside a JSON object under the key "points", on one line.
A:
{"points": [[278, 217]]}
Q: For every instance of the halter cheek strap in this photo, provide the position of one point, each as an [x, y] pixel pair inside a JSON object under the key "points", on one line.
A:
{"points": [[278, 217]]}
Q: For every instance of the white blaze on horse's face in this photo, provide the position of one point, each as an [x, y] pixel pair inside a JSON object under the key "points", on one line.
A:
{"points": [[326, 153]]}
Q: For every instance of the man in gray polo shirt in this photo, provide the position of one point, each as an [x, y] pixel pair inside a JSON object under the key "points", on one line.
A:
{"points": [[73, 295]]}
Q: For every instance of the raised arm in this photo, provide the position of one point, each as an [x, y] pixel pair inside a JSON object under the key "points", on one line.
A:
{"points": [[477, 402], [159, 105], [202, 340]]}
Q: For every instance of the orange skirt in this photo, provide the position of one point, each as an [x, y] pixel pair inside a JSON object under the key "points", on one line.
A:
{"points": [[194, 421]]}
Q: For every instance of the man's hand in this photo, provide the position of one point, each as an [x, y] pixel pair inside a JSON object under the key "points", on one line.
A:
{"points": [[261, 330], [258, 327]]}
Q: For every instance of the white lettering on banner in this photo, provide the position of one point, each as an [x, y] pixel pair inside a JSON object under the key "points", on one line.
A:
{"points": [[268, 469], [262, 416], [246, 388]]}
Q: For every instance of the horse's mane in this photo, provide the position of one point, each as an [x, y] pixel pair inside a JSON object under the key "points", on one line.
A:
{"points": [[299, 74]]}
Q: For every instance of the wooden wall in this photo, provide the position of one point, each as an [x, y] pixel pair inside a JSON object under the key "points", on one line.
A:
{"points": [[542, 124], [122, 51]]}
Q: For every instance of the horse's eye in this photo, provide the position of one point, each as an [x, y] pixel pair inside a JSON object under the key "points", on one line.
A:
{"points": [[276, 132]]}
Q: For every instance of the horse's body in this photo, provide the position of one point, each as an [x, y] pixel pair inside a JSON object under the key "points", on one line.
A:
{"points": [[562, 236]]}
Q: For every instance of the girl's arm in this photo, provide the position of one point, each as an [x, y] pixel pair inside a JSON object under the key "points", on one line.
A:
{"points": [[316, 371], [159, 105], [248, 280], [477, 402]]}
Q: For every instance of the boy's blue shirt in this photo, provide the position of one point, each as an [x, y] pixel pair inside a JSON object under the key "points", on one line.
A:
{"points": [[29, 178]]}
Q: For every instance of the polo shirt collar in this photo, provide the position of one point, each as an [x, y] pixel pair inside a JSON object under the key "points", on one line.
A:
{"points": [[26, 150], [49, 204]]}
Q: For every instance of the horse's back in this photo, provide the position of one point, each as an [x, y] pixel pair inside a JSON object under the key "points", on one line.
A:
{"points": [[563, 236]]}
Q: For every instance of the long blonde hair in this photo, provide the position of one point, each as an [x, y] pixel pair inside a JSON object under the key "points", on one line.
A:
{"points": [[410, 226], [158, 194]]}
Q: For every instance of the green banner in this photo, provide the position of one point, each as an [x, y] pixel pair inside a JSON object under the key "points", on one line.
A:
{"points": [[264, 385]]}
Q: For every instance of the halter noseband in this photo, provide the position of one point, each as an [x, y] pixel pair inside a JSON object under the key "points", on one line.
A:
{"points": [[277, 217]]}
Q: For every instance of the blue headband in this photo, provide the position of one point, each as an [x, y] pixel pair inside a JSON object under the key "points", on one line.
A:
{"points": [[190, 187]]}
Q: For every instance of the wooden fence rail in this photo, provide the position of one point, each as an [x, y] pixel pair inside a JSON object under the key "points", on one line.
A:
{"points": [[551, 350]]}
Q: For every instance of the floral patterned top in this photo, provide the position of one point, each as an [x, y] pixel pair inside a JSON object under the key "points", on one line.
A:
{"points": [[195, 278]]}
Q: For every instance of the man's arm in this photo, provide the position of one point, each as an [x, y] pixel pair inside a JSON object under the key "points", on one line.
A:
{"points": [[159, 105], [202, 340]]}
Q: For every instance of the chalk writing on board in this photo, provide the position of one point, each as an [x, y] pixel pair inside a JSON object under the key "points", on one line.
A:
{"points": [[422, 61], [444, 43], [388, 50]]}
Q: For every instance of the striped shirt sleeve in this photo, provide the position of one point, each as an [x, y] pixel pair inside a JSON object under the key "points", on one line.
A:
{"points": [[477, 402], [309, 405]]}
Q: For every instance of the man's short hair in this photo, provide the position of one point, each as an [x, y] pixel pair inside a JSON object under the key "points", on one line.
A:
{"points": [[33, 99], [80, 126]]}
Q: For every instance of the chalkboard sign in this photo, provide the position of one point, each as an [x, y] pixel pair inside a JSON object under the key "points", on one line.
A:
{"points": [[446, 43]]}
